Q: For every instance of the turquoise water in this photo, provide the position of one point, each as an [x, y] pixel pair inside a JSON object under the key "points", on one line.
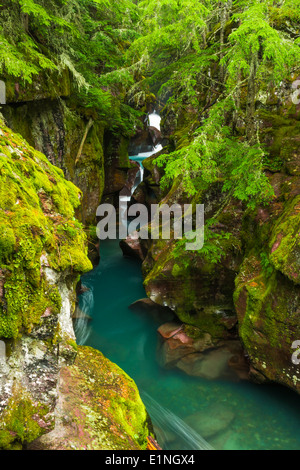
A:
{"points": [[261, 417]]}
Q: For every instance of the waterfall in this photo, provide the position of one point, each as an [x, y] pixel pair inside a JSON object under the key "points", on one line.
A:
{"points": [[81, 324], [166, 421], [154, 120]]}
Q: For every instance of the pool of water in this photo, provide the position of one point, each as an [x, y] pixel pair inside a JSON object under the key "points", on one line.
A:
{"points": [[188, 413]]}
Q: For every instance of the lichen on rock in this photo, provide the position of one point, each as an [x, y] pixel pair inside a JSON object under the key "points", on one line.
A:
{"points": [[43, 251], [99, 408]]}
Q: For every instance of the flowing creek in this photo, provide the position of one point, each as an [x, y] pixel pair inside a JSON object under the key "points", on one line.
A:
{"points": [[188, 413]]}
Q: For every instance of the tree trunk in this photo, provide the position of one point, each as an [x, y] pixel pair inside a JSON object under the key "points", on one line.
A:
{"points": [[250, 116], [88, 127], [25, 21], [224, 18]]}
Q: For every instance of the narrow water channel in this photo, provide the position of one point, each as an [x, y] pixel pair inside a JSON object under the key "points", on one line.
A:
{"points": [[188, 413], [244, 415]]}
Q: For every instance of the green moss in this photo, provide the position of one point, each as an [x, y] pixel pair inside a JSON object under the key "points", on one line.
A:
{"points": [[279, 132], [190, 280], [267, 311], [105, 405], [48, 84], [37, 207], [206, 320], [193, 332], [285, 241], [18, 425], [25, 304], [177, 271], [7, 242], [73, 344], [72, 251]]}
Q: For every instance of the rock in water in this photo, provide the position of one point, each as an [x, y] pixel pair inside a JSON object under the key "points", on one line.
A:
{"points": [[210, 366], [131, 247], [158, 313], [211, 421]]}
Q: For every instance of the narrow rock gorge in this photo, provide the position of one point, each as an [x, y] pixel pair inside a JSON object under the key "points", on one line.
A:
{"points": [[135, 105]]}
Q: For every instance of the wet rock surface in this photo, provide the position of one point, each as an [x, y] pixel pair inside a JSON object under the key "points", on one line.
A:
{"points": [[44, 253], [211, 421], [131, 246], [157, 312], [89, 392], [250, 295], [198, 355]]}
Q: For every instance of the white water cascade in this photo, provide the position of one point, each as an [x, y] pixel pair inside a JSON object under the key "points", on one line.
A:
{"points": [[154, 120], [165, 421], [81, 326]]}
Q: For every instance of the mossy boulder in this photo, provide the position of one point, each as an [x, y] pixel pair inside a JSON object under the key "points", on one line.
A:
{"points": [[267, 287], [267, 304], [198, 285], [99, 408], [285, 242], [198, 291], [194, 352], [23, 421], [43, 252]]}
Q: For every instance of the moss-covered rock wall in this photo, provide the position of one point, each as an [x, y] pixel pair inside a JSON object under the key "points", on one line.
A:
{"points": [[58, 130], [251, 291], [50, 116], [43, 252]]}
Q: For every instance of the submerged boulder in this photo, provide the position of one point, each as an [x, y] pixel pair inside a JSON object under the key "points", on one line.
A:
{"points": [[211, 421], [197, 354]]}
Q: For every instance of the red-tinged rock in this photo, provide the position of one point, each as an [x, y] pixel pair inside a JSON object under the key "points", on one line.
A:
{"points": [[132, 247], [168, 330], [86, 418], [267, 304], [196, 354], [47, 313]]}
